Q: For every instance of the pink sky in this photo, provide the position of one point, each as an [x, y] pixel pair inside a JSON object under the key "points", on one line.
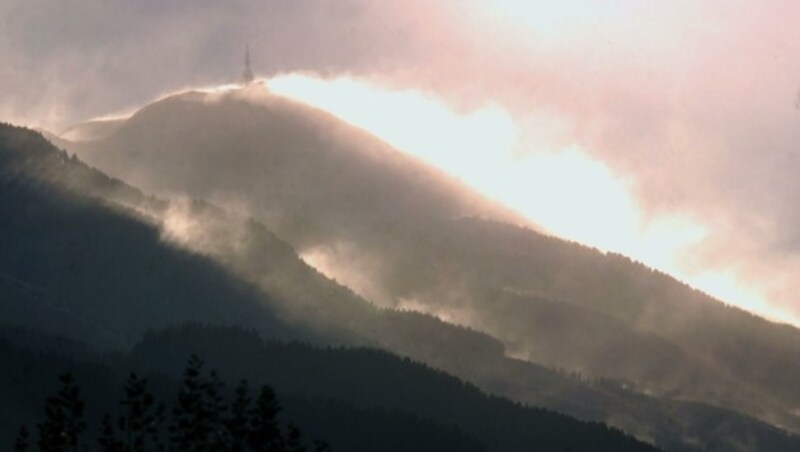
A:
{"points": [[690, 107]]}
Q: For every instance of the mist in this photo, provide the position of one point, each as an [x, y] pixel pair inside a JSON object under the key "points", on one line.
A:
{"points": [[686, 112], [545, 200], [485, 148]]}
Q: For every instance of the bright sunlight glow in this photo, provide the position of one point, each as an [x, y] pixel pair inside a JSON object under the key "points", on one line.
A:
{"points": [[552, 20], [564, 191]]}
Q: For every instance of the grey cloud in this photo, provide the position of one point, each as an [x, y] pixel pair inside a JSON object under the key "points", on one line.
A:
{"points": [[72, 60], [694, 103]]}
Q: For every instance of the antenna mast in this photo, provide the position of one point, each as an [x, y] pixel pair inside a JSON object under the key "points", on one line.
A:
{"points": [[247, 76]]}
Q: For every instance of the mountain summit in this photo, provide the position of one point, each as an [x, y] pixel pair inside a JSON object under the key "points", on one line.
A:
{"points": [[406, 236], [302, 168]]}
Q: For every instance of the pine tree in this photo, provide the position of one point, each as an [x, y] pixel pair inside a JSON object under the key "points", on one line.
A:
{"points": [[202, 421], [214, 405], [266, 434], [238, 421], [190, 427], [64, 424], [108, 441], [142, 419]]}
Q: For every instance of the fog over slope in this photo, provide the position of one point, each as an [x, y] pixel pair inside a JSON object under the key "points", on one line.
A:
{"points": [[662, 132], [694, 105], [405, 236], [301, 168], [38, 181]]}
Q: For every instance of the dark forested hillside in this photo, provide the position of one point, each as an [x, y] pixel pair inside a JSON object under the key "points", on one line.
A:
{"points": [[192, 261], [76, 262], [404, 236], [76, 265], [356, 399], [568, 306]]}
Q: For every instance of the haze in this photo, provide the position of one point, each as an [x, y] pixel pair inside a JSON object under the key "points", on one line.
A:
{"points": [[667, 132]]}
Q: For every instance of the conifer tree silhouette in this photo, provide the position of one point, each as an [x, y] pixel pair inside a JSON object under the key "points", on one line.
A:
{"points": [[191, 428], [214, 405], [108, 440], [202, 420], [63, 425], [266, 433], [238, 421], [142, 418]]}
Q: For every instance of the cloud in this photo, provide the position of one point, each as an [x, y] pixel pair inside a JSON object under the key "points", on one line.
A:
{"points": [[64, 62], [565, 191], [691, 104]]}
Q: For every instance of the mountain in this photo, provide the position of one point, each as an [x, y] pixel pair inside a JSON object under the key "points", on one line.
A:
{"points": [[406, 236], [74, 264], [306, 300], [77, 262], [305, 296], [310, 175], [55, 206]]}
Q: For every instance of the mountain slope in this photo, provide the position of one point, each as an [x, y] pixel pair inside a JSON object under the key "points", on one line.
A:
{"points": [[313, 303], [73, 264], [253, 254], [309, 173], [396, 232], [88, 268]]}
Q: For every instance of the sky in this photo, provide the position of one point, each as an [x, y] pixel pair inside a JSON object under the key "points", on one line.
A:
{"points": [[667, 130]]}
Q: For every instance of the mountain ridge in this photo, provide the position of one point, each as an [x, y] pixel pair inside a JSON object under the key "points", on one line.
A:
{"points": [[33, 179], [382, 243], [405, 244]]}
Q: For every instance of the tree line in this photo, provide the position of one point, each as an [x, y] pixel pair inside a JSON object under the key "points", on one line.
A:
{"points": [[201, 419]]}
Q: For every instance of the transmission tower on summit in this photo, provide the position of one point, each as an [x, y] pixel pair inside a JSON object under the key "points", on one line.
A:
{"points": [[247, 76]]}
